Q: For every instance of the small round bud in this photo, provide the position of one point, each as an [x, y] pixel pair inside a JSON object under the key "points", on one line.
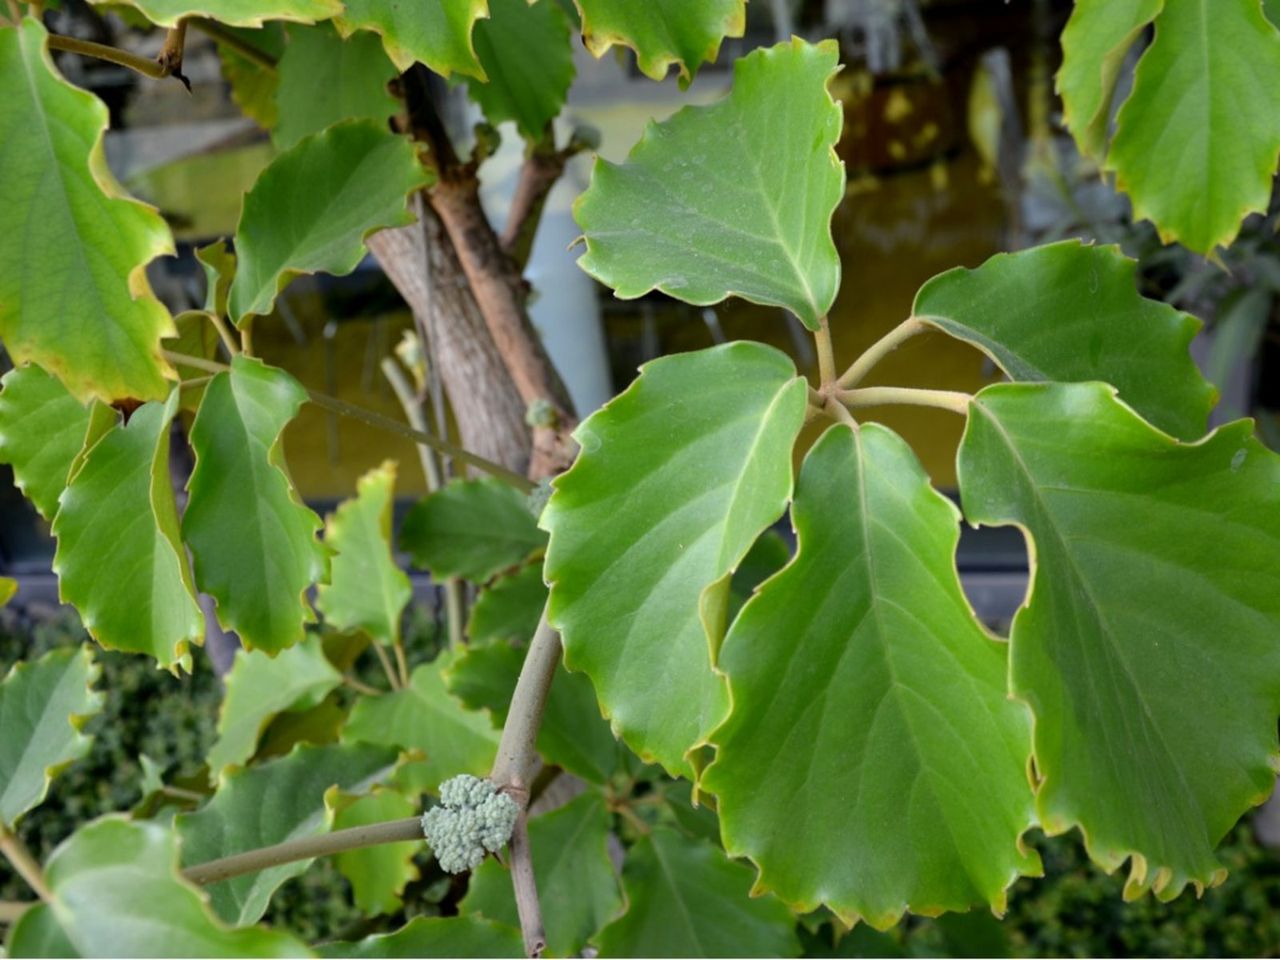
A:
{"points": [[471, 818]]}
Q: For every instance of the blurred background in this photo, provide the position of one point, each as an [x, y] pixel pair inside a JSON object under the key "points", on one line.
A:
{"points": [[954, 151]]}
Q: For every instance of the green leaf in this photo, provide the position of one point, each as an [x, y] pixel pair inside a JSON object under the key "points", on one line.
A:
{"points": [[687, 899], [378, 874], [82, 309], [767, 556], [42, 429], [280, 800], [1196, 143], [116, 889], [1095, 42], [37, 934], [219, 265], [861, 671], [8, 589], [423, 716], [433, 32], [731, 199], [509, 608], [434, 937], [120, 559], [1070, 312], [1147, 649], [577, 887], [253, 541], [525, 50], [258, 687], [663, 32], [235, 13], [366, 589], [1242, 323], [253, 85], [353, 73], [573, 735], [311, 209], [44, 704], [471, 529], [676, 479]]}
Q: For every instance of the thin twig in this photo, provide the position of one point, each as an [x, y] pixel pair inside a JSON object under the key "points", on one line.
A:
{"points": [[234, 41], [838, 413], [386, 666], [175, 44], [517, 763], [24, 864], [952, 400], [305, 848], [101, 51], [401, 664], [376, 420], [11, 910], [879, 350], [360, 686], [224, 334]]}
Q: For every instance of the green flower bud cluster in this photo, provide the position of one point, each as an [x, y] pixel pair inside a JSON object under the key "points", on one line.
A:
{"points": [[471, 818]]}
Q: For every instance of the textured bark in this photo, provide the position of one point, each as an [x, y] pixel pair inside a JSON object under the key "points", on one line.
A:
{"points": [[486, 405]]}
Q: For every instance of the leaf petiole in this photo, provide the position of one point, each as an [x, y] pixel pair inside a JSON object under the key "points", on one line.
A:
{"points": [[879, 350]]}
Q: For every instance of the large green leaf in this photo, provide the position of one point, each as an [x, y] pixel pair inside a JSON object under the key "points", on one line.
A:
{"points": [[525, 50], [42, 429], [378, 874], [116, 891], [1070, 312], [687, 899], [366, 589], [577, 887], [676, 479], [434, 32], [235, 13], [258, 687], [663, 32], [311, 209], [435, 937], [861, 670], [353, 74], [1148, 648], [1094, 45], [120, 559], [44, 704], [509, 608], [253, 85], [573, 735], [731, 199], [82, 308], [253, 541], [423, 716], [471, 529], [37, 934], [280, 800], [1196, 143]]}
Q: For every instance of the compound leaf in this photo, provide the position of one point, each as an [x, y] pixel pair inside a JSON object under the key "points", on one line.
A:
{"points": [[120, 558], [676, 479], [468, 936], [310, 210], [424, 716], [861, 667], [434, 32], [730, 199], [234, 13], [525, 50], [116, 889], [1068, 312], [44, 704], [471, 529], [82, 309], [280, 800], [42, 429], [378, 874], [1196, 142], [258, 687], [1147, 648], [663, 32], [367, 590], [687, 899], [253, 540], [577, 887], [353, 73]]}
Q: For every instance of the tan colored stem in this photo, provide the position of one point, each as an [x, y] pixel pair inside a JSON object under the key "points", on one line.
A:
{"points": [[879, 350], [826, 356], [951, 400], [11, 911], [101, 51], [24, 864]]}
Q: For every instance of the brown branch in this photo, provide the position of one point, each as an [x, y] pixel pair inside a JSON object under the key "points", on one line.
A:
{"points": [[541, 170]]}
